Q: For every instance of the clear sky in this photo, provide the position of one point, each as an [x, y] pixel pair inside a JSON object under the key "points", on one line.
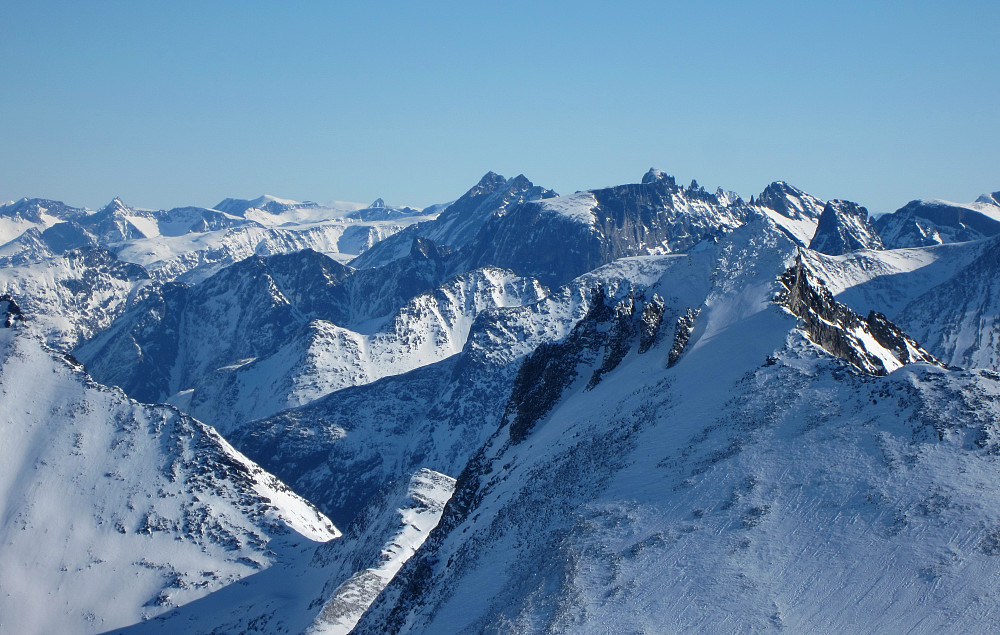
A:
{"points": [[176, 103]]}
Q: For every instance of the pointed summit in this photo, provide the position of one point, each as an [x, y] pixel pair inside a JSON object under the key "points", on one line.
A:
{"points": [[116, 205], [657, 176], [377, 204], [790, 201], [490, 182], [844, 226]]}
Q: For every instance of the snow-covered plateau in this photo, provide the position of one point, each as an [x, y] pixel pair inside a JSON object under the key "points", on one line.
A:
{"points": [[647, 408]]}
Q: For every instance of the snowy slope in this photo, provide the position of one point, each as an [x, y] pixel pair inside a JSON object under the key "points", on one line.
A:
{"points": [[959, 319], [792, 209], [558, 239], [113, 511], [943, 295], [324, 357], [71, 297], [665, 413], [196, 256], [341, 449], [417, 505], [16, 217], [272, 333], [192, 243], [758, 483], [920, 223], [461, 220], [322, 589]]}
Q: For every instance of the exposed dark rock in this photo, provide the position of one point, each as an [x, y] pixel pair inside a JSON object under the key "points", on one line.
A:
{"points": [[9, 311], [844, 226], [461, 221], [619, 338], [682, 333], [790, 201], [652, 318], [654, 216], [658, 176], [842, 332], [611, 330]]}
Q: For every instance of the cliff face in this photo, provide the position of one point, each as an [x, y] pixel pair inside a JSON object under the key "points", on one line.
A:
{"points": [[844, 226], [599, 343], [872, 344]]}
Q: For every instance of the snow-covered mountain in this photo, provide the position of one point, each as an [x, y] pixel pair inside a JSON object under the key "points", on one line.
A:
{"points": [[842, 227], [73, 296], [460, 222], [272, 333], [792, 209], [339, 450], [784, 488], [920, 223], [326, 589], [645, 407], [17, 217], [115, 511], [192, 243]]}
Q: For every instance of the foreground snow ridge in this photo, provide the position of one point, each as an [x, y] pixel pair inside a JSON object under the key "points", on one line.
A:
{"points": [[114, 511]]}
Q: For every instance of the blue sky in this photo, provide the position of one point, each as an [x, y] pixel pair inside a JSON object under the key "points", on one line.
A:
{"points": [[173, 103]]}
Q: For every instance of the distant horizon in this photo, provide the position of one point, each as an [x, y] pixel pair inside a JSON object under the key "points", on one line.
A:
{"points": [[340, 201], [190, 103]]}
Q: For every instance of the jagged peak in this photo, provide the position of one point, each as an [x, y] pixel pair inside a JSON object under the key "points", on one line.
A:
{"points": [[492, 180], [780, 187], [872, 344], [490, 183], [520, 182], [846, 207], [378, 204], [789, 201], [654, 175], [844, 226], [116, 205], [727, 197]]}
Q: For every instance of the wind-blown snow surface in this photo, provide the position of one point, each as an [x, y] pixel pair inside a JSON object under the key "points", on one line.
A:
{"points": [[113, 511], [755, 484]]}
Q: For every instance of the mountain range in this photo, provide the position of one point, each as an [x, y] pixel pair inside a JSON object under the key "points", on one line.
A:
{"points": [[641, 408]]}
